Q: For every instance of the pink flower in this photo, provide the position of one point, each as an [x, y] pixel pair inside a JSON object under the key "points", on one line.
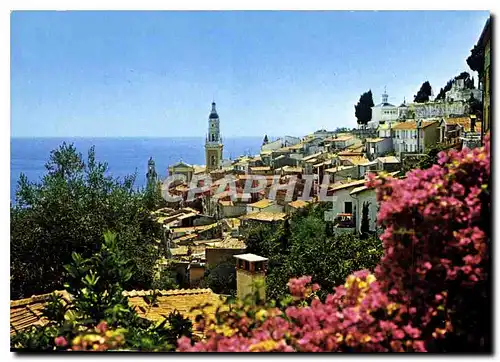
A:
{"points": [[61, 341], [102, 327]]}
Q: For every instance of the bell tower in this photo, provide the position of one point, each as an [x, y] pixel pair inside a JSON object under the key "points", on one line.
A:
{"points": [[213, 142]]}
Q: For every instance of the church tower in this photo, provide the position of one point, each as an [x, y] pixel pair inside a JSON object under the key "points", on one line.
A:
{"points": [[151, 176], [213, 142]]}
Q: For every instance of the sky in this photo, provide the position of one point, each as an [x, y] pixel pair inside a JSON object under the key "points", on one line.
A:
{"points": [[155, 74]]}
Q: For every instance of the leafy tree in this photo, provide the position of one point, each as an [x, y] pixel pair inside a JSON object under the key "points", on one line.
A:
{"points": [[423, 95], [431, 157], [221, 278], [363, 110], [308, 247], [476, 60], [68, 211], [475, 106]]}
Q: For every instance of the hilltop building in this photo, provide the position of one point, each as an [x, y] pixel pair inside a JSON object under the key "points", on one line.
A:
{"points": [[383, 112], [213, 142]]}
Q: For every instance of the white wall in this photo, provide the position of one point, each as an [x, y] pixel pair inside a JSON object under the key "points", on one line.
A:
{"points": [[274, 145], [370, 196], [377, 149]]}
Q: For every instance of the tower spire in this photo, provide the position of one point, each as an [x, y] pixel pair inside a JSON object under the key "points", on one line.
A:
{"points": [[385, 96]]}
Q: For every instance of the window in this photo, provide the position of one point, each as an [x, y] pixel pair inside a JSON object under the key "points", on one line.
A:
{"points": [[348, 207]]}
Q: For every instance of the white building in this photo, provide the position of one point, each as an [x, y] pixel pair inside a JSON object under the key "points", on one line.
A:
{"points": [[459, 92], [363, 195], [376, 147], [291, 140], [271, 146], [437, 109], [383, 112], [323, 133]]}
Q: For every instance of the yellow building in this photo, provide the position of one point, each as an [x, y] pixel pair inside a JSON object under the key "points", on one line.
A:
{"points": [[181, 168], [213, 142], [250, 275]]}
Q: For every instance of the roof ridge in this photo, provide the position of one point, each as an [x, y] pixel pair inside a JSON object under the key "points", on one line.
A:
{"points": [[37, 298], [168, 292]]}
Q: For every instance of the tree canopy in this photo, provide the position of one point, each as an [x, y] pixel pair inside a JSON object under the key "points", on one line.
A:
{"points": [[363, 110], [423, 95], [307, 245], [68, 211]]}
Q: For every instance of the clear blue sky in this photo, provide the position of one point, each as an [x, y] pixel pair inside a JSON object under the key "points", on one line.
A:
{"points": [[155, 73]]}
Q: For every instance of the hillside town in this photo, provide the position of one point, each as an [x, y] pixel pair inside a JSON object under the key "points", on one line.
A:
{"points": [[208, 209], [208, 229]]}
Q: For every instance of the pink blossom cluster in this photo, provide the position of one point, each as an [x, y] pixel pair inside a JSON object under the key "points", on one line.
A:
{"points": [[429, 291], [99, 338]]}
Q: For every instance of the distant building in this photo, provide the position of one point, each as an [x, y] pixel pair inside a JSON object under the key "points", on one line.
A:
{"points": [[379, 146], [459, 92], [383, 112], [415, 136], [437, 109], [151, 176], [213, 142], [181, 168]]}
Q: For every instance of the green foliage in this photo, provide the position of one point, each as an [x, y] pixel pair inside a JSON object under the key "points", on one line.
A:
{"points": [[307, 247], [363, 110], [365, 221], [424, 93], [476, 60], [68, 211], [475, 106], [221, 278], [431, 157], [96, 287]]}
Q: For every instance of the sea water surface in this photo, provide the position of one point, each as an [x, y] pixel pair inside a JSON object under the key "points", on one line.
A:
{"points": [[124, 156]]}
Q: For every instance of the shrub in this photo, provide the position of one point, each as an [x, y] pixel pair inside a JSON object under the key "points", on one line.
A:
{"points": [[430, 291]]}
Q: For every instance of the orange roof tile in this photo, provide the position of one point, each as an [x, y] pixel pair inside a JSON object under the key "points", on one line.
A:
{"points": [[183, 300], [27, 312], [412, 125]]}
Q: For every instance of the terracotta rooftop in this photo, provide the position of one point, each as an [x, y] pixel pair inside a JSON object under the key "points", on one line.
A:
{"points": [[182, 300], [28, 311], [262, 204], [297, 204], [465, 122], [412, 125], [260, 168], [389, 159], [264, 216], [349, 184], [339, 168], [375, 140]]}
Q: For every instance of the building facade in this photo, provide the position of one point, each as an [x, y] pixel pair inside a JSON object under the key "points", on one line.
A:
{"points": [[415, 136], [383, 112], [213, 142]]}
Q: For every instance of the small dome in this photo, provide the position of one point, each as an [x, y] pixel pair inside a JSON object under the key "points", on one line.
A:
{"points": [[213, 113]]}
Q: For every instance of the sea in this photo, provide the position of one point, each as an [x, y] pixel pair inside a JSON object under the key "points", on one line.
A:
{"points": [[124, 156]]}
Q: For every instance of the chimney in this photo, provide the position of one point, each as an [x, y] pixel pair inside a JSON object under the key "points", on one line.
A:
{"points": [[250, 276]]}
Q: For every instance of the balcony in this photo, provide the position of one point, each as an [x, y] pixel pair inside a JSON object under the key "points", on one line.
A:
{"points": [[344, 221]]}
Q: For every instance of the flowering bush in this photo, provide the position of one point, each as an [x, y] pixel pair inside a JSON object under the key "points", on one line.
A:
{"points": [[430, 291]]}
